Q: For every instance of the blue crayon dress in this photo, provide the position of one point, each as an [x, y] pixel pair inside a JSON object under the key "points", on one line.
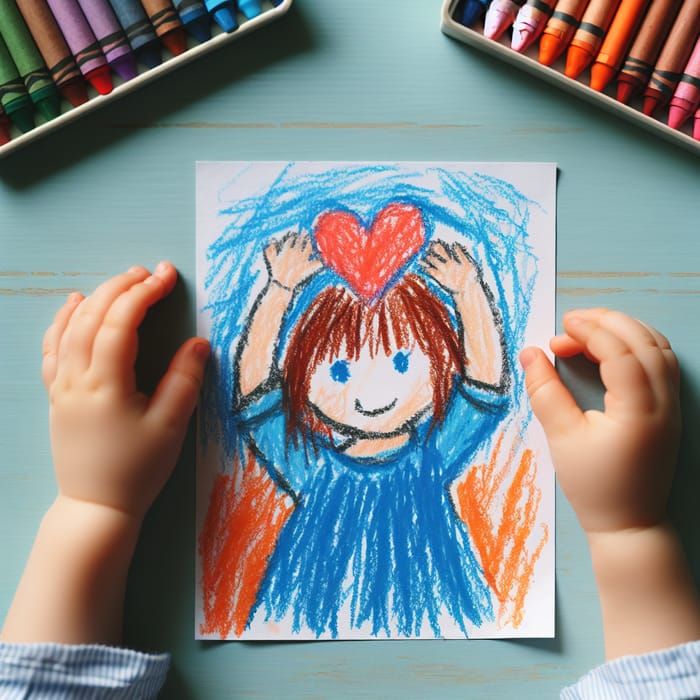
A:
{"points": [[374, 544]]}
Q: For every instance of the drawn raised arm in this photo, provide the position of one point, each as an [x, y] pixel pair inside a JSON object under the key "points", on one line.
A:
{"points": [[451, 266], [289, 262]]}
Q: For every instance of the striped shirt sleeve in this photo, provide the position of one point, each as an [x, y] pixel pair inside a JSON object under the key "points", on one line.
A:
{"points": [[671, 674], [81, 672]]}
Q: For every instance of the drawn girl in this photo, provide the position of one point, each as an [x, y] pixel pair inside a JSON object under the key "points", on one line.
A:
{"points": [[382, 403]]}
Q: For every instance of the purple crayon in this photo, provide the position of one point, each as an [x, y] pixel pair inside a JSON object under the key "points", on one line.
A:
{"points": [[82, 43], [108, 32]]}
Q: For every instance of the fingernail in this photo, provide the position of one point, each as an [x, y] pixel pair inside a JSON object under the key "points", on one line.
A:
{"points": [[74, 297], [161, 267], [527, 357], [202, 349]]}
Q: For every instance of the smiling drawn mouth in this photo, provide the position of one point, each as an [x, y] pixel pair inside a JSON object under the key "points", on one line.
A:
{"points": [[375, 411]]}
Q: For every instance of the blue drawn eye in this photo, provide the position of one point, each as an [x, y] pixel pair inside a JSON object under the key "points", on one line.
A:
{"points": [[401, 362], [340, 371]]}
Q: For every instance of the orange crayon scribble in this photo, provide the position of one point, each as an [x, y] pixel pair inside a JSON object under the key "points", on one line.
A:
{"points": [[499, 502], [244, 519]]}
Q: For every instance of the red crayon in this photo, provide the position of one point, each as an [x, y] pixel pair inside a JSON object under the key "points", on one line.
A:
{"points": [[617, 41], [686, 98], [167, 24], [560, 29], [637, 68], [5, 127], [673, 57]]}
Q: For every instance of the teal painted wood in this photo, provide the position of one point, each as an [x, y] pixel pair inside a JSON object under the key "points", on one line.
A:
{"points": [[356, 81]]}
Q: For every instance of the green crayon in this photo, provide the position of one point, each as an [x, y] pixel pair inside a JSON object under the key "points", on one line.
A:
{"points": [[41, 88], [13, 94]]}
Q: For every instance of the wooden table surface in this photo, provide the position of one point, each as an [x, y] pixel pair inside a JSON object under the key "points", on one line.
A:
{"points": [[361, 80]]}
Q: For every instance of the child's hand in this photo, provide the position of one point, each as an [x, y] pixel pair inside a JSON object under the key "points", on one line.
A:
{"points": [[112, 445], [616, 466], [290, 260], [450, 266]]}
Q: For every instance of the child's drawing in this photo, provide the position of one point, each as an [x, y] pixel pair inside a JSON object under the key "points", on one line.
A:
{"points": [[367, 463]]}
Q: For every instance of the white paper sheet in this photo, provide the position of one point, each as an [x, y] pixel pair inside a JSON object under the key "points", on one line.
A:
{"points": [[368, 465]]}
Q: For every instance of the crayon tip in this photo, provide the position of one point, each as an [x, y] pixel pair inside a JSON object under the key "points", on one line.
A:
{"points": [[473, 9], [225, 18], [601, 75], [551, 47], [651, 102], [125, 67], [577, 60], [149, 54], [22, 116], [4, 130], [625, 90], [199, 29], [677, 114], [75, 92], [250, 8], [175, 41], [498, 18], [49, 106], [522, 38], [100, 79]]}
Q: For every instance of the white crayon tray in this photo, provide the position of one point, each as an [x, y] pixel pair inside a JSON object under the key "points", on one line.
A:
{"points": [[555, 74], [219, 38]]}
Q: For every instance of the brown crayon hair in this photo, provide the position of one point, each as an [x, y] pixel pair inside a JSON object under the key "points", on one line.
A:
{"points": [[338, 320]]}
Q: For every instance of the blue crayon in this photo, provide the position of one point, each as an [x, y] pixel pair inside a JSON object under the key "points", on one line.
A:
{"points": [[473, 10], [139, 32], [223, 12], [194, 18], [250, 8]]}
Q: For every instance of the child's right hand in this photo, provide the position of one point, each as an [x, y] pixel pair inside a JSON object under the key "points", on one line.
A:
{"points": [[614, 466]]}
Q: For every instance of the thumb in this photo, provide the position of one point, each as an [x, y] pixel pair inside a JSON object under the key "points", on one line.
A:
{"points": [[551, 402], [177, 392]]}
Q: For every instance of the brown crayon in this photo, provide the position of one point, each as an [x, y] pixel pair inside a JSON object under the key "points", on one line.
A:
{"points": [[167, 24], [54, 50], [559, 29], [589, 35], [673, 57], [617, 41], [639, 64]]}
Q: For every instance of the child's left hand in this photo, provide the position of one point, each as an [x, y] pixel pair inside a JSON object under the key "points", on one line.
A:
{"points": [[112, 445]]}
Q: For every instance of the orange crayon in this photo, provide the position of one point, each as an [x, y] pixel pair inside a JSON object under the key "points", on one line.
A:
{"points": [[589, 35], [617, 41], [673, 57], [560, 29], [637, 68]]}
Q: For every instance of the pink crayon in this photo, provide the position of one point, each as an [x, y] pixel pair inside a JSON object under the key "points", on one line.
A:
{"points": [[529, 23], [500, 16], [696, 126], [686, 97], [111, 37]]}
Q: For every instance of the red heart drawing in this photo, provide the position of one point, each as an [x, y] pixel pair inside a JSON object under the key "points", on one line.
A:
{"points": [[369, 259]]}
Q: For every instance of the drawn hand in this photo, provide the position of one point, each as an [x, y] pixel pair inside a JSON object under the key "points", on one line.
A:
{"points": [[290, 260], [450, 266], [615, 466], [113, 446]]}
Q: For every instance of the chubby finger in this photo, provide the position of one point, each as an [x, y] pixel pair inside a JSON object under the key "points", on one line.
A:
{"points": [[176, 396], [116, 342], [551, 401], [53, 335], [76, 349], [632, 367]]}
